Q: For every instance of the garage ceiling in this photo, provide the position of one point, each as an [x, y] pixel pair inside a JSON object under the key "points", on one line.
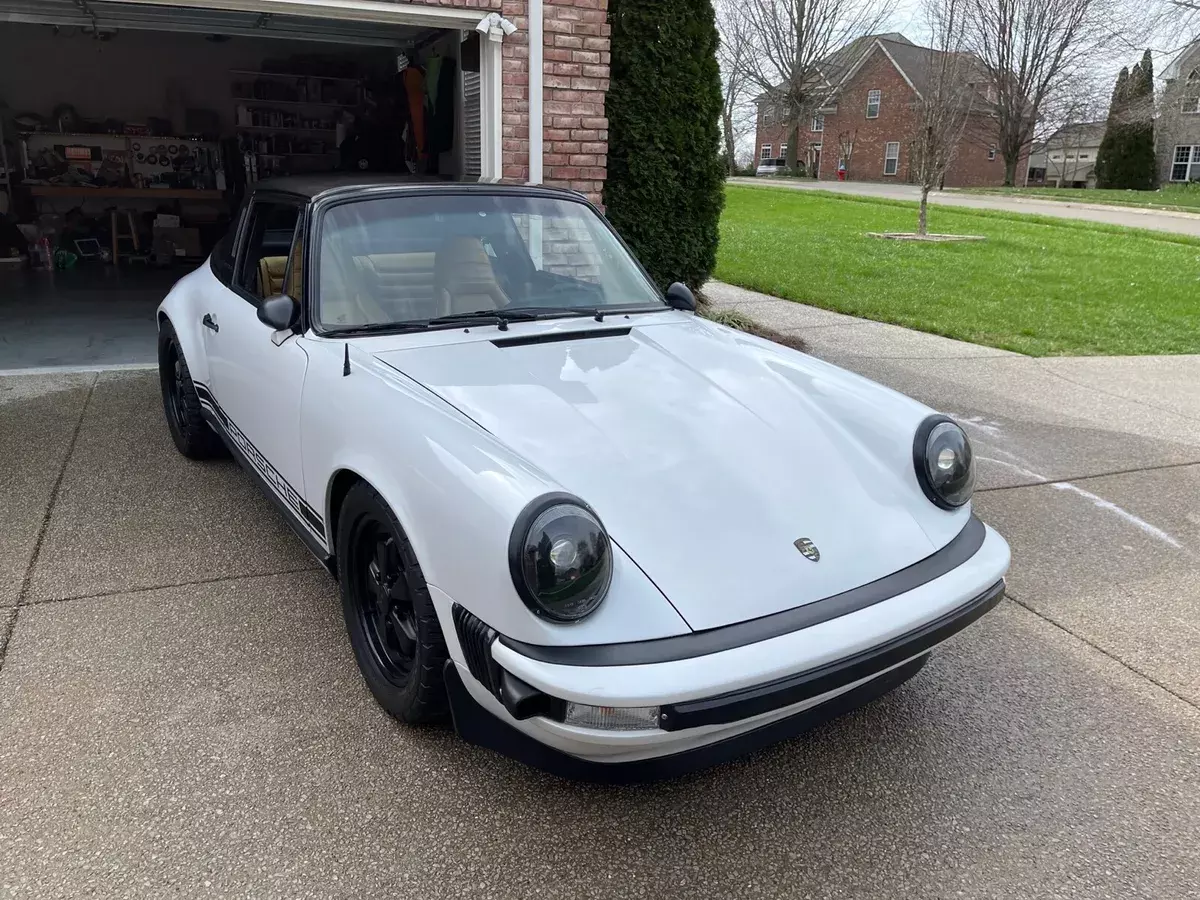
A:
{"points": [[107, 16]]}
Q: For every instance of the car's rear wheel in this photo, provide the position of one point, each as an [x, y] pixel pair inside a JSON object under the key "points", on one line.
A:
{"points": [[191, 434], [393, 627]]}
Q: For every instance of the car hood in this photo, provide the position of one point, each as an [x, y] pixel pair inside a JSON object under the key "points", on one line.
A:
{"points": [[708, 455]]}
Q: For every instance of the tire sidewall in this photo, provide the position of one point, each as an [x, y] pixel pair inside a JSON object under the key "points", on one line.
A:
{"points": [[421, 697]]}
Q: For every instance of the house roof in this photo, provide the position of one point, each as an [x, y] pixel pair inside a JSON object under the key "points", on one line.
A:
{"points": [[918, 64], [1078, 134]]}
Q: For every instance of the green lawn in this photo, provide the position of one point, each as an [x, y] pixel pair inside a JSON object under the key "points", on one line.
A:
{"points": [[1177, 197], [1037, 285]]}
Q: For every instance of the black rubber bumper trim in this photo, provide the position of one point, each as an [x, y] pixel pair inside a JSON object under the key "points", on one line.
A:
{"points": [[764, 698], [478, 726], [701, 643]]}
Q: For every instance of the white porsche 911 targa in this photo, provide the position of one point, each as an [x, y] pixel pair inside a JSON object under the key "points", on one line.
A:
{"points": [[613, 539]]}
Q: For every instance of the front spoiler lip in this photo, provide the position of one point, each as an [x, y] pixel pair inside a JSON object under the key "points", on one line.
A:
{"points": [[478, 726], [886, 666]]}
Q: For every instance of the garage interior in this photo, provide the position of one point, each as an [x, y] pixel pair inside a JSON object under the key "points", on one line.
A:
{"points": [[130, 133]]}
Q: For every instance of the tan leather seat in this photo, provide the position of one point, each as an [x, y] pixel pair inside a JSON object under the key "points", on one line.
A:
{"points": [[463, 278], [271, 273]]}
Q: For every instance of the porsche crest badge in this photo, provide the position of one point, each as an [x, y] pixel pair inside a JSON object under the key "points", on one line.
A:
{"points": [[808, 548]]}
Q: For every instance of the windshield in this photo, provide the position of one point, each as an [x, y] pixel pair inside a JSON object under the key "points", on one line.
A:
{"points": [[408, 260]]}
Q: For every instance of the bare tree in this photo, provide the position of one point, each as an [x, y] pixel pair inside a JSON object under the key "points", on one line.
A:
{"points": [[846, 141], [792, 44], [946, 102], [736, 115], [1030, 48]]}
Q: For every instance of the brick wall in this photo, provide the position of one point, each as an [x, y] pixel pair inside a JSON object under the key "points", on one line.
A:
{"points": [[894, 123], [575, 68]]}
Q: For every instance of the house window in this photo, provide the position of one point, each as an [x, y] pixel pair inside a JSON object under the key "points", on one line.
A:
{"points": [[991, 153], [818, 123], [891, 157], [1083, 155], [783, 151], [1056, 156], [1190, 106], [1186, 165], [873, 98], [766, 152], [1070, 156]]}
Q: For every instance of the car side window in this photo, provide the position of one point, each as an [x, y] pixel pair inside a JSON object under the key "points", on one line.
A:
{"points": [[270, 234]]}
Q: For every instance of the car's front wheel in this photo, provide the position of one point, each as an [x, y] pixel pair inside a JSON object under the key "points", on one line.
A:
{"points": [[393, 627], [191, 434]]}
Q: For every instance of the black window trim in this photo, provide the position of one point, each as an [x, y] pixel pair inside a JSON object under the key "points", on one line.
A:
{"points": [[264, 196]]}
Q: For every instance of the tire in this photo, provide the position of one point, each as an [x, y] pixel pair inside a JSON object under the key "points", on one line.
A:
{"points": [[393, 627], [192, 435]]}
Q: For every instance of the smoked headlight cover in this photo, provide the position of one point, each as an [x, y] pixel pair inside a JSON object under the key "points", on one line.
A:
{"points": [[944, 462], [560, 558]]}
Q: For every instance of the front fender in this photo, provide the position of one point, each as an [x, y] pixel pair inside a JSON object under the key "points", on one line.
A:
{"points": [[183, 308], [456, 490]]}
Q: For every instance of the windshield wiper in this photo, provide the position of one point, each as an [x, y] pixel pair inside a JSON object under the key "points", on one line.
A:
{"points": [[596, 312], [498, 317]]}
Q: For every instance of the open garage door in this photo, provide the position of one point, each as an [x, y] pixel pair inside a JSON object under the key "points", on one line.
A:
{"points": [[131, 130]]}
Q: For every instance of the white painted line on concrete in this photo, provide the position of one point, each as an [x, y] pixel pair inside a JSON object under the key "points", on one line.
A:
{"points": [[77, 370], [1123, 513], [1107, 505]]}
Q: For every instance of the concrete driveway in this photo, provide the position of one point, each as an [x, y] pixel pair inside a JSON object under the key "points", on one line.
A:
{"points": [[1157, 220], [180, 713]]}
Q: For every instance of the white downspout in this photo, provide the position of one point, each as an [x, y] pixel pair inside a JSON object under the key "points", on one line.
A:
{"points": [[493, 28], [535, 91]]}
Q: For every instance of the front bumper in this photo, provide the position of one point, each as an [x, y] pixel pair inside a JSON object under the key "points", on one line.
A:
{"points": [[714, 702], [478, 726]]}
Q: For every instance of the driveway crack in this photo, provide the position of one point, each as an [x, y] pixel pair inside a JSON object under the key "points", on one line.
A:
{"points": [[10, 630], [1125, 665]]}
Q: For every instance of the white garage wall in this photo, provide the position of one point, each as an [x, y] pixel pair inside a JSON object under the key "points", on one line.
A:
{"points": [[137, 73]]}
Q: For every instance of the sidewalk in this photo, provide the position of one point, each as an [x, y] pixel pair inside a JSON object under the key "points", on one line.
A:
{"points": [[1125, 216]]}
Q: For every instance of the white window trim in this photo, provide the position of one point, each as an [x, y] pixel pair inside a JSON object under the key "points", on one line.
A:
{"points": [[782, 151], [1194, 109], [765, 153], [886, 159], [818, 123], [878, 95], [991, 153], [1189, 165]]}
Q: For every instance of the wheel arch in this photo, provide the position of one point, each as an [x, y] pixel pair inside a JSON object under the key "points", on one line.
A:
{"points": [[340, 483]]}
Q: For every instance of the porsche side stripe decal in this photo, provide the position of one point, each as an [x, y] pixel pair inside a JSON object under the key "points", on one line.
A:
{"points": [[269, 474]]}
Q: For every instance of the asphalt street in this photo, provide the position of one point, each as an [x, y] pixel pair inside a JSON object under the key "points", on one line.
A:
{"points": [[1128, 216], [180, 713]]}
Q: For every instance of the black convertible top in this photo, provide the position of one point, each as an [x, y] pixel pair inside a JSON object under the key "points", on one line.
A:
{"points": [[313, 186]]}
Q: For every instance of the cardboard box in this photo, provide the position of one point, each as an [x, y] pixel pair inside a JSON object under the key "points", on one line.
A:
{"points": [[176, 242], [162, 220]]}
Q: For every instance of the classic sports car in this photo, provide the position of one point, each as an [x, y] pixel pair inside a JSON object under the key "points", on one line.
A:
{"points": [[612, 538]]}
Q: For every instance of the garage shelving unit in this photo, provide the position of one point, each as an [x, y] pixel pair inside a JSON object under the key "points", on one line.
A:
{"points": [[287, 122]]}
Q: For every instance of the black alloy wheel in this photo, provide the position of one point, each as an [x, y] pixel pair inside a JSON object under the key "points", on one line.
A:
{"points": [[393, 627], [385, 607]]}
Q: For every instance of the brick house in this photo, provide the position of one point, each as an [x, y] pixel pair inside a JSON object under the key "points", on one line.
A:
{"points": [[871, 87]]}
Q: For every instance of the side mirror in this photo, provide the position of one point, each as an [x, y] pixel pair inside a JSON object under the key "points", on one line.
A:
{"points": [[679, 296], [279, 313]]}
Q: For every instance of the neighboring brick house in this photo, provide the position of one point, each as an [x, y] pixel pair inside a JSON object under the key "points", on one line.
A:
{"points": [[1178, 125], [873, 86]]}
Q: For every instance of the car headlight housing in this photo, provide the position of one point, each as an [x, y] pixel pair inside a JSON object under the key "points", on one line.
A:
{"points": [[560, 558], [944, 462]]}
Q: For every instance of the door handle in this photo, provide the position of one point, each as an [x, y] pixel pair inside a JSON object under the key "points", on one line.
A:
{"points": [[209, 322]]}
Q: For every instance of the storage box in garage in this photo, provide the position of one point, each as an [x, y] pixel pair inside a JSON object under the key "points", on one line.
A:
{"points": [[176, 242]]}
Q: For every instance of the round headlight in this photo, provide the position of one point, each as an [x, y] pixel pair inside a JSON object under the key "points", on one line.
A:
{"points": [[944, 462], [560, 558]]}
